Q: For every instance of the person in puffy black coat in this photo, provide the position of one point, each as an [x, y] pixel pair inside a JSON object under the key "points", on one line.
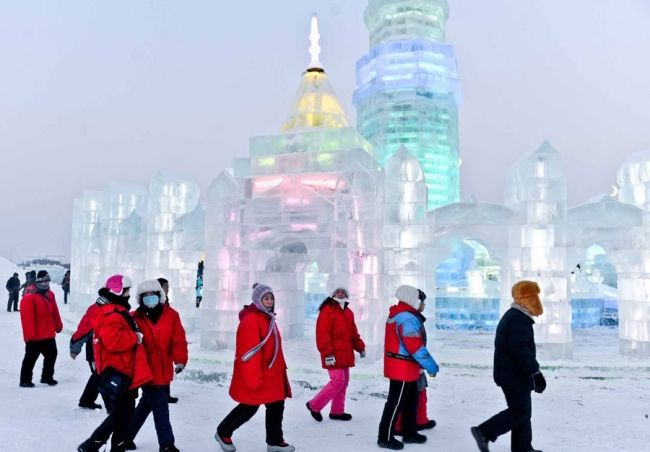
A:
{"points": [[13, 287], [516, 371]]}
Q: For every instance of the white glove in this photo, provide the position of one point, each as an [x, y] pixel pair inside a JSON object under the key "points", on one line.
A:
{"points": [[179, 368], [362, 354], [140, 336], [330, 360]]}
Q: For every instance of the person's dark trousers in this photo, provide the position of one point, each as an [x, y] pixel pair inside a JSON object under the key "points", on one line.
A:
{"points": [[13, 301], [33, 349], [91, 391], [402, 397], [242, 413], [515, 419], [65, 297], [154, 398], [118, 419]]}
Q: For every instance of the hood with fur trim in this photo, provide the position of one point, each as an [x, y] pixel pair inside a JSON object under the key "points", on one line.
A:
{"points": [[151, 285]]}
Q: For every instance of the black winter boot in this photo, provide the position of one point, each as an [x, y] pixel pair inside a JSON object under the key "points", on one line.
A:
{"points": [[341, 417], [90, 446], [417, 438], [428, 425], [171, 448], [315, 414], [130, 445], [392, 444], [481, 440]]}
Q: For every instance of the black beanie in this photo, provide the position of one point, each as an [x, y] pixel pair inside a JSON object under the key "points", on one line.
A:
{"points": [[42, 276]]}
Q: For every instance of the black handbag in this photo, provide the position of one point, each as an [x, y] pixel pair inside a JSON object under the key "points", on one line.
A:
{"points": [[113, 383]]}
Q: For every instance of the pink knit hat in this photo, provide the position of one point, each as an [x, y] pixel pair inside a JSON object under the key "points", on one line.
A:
{"points": [[118, 284]]}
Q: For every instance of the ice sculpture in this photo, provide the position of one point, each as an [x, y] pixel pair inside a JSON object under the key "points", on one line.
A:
{"points": [[175, 238], [310, 196], [408, 91], [536, 192]]}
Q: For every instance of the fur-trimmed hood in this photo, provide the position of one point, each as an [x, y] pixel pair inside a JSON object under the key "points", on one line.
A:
{"points": [[151, 285]]}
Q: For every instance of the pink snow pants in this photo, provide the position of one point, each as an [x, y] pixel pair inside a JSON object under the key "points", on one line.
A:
{"points": [[333, 391]]}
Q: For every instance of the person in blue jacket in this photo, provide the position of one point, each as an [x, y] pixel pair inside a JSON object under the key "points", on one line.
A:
{"points": [[405, 354]]}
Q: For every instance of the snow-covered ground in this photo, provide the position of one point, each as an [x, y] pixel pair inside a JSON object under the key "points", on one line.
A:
{"points": [[599, 402]]}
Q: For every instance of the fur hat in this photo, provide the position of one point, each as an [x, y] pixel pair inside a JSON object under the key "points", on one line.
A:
{"points": [[151, 285], [409, 295], [43, 276], [526, 293]]}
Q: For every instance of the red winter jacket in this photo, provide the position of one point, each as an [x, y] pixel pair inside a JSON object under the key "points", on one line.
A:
{"points": [[116, 345], [164, 342], [84, 332], [253, 383], [39, 316], [337, 335]]}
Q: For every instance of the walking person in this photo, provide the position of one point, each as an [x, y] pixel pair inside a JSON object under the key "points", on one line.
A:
{"points": [[121, 365], [40, 319], [164, 283], [405, 354], [259, 375], [28, 286], [13, 287], [337, 338], [166, 349], [516, 371], [65, 286], [116, 285]]}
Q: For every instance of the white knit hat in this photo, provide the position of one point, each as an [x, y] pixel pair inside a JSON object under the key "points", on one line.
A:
{"points": [[408, 294]]}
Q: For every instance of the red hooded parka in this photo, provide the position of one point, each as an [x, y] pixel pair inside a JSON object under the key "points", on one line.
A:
{"points": [[337, 335]]}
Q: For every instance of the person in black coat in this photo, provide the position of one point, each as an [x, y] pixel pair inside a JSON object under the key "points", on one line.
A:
{"points": [[13, 287], [516, 371]]}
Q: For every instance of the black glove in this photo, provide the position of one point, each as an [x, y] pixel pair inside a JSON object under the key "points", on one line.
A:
{"points": [[539, 382]]}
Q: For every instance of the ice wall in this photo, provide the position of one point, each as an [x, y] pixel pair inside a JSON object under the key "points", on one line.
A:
{"points": [[175, 238]]}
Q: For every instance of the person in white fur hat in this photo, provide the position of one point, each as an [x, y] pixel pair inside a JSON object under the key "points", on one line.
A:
{"points": [[405, 354]]}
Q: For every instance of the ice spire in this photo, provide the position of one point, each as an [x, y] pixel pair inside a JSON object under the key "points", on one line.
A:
{"points": [[314, 47]]}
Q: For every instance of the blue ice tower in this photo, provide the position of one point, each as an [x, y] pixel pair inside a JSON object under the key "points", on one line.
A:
{"points": [[408, 91]]}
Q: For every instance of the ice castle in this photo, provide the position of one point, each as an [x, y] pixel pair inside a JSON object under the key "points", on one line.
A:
{"points": [[323, 203]]}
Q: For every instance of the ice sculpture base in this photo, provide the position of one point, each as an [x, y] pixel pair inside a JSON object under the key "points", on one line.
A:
{"points": [[638, 349], [554, 351]]}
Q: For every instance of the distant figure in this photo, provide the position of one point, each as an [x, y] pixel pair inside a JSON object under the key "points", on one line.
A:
{"points": [[516, 371], [28, 286], [65, 285], [41, 322], [199, 291], [13, 287]]}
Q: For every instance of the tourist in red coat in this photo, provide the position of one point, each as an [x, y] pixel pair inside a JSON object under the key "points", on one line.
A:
{"points": [[117, 344], [337, 338], [166, 347], [260, 373], [41, 322], [84, 335]]}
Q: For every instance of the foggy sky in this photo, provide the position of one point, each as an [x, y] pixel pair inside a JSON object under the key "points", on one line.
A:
{"points": [[92, 92]]}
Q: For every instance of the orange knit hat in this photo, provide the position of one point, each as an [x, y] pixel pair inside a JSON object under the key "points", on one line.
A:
{"points": [[526, 294]]}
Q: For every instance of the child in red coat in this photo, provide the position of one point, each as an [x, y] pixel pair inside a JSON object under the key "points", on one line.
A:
{"points": [[337, 338], [260, 373]]}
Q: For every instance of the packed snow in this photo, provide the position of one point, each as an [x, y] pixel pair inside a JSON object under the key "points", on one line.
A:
{"points": [[600, 401]]}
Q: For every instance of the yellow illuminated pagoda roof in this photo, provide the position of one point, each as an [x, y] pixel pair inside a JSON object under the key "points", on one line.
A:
{"points": [[316, 104]]}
